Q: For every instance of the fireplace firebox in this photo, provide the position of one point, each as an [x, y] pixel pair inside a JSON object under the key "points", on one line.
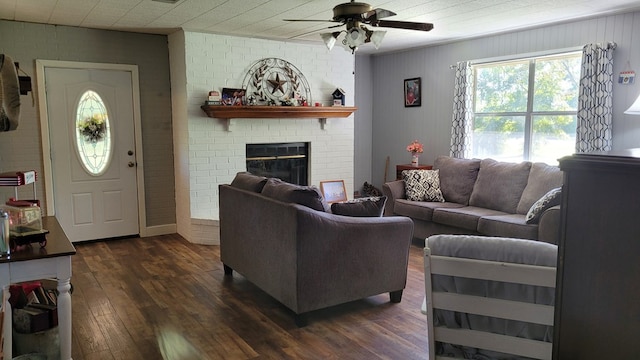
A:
{"points": [[286, 161]]}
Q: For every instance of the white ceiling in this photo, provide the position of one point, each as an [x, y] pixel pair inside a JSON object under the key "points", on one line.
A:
{"points": [[452, 19]]}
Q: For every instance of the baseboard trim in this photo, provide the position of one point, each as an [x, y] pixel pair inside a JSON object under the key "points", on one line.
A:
{"points": [[158, 230]]}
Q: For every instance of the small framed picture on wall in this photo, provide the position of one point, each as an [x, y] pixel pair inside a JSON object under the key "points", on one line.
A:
{"points": [[412, 92]]}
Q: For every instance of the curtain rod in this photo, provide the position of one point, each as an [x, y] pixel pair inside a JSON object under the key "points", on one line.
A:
{"points": [[526, 55]]}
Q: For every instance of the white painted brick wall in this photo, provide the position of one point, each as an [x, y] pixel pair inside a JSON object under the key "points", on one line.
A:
{"points": [[216, 155]]}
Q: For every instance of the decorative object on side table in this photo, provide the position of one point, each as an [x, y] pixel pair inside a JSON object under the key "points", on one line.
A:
{"points": [[415, 148], [412, 92]]}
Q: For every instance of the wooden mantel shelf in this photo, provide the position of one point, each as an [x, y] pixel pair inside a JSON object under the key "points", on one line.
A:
{"points": [[271, 112]]}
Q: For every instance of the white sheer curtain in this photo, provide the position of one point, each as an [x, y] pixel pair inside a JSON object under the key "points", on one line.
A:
{"points": [[593, 131], [461, 130]]}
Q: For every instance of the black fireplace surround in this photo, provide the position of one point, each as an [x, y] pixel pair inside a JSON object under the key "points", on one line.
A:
{"points": [[286, 161]]}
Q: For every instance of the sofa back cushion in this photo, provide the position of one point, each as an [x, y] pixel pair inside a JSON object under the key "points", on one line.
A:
{"points": [[309, 196], [500, 185], [248, 181], [457, 177], [542, 178]]}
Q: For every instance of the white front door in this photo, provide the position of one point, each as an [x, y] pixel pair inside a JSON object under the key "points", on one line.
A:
{"points": [[93, 173]]}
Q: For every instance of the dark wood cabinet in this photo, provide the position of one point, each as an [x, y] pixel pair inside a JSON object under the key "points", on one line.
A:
{"points": [[597, 312]]}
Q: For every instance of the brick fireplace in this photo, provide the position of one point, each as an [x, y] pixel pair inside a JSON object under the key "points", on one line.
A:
{"points": [[208, 153]]}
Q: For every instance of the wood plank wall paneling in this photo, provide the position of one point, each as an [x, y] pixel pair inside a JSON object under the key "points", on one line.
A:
{"points": [[394, 126]]}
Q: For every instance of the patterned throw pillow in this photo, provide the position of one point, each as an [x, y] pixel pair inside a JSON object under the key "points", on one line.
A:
{"points": [[369, 206], [422, 185], [550, 199]]}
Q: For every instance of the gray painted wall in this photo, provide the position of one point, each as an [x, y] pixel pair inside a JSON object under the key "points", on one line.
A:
{"points": [[395, 126], [22, 149], [363, 122]]}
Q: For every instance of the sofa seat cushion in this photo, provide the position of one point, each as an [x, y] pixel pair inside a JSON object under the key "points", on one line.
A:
{"points": [[309, 196], [466, 217], [500, 185], [542, 178], [457, 177], [507, 225], [421, 210]]}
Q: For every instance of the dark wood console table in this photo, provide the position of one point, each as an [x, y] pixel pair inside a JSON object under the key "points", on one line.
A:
{"points": [[401, 168], [34, 263]]}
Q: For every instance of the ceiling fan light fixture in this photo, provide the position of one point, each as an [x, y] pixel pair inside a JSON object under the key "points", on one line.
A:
{"points": [[356, 36], [330, 39], [376, 38]]}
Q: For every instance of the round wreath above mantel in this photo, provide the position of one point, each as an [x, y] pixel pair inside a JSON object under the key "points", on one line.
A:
{"points": [[276, 81]]}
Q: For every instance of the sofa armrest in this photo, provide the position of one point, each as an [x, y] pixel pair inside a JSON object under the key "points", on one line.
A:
{"points": [[393, 190], [343, 258], [549, 225]]}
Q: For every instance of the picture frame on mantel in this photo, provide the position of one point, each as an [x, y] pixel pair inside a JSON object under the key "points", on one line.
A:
{"points": [[333, 191], [413, 92]]}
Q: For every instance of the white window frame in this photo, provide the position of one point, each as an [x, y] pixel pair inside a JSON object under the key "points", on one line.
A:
{"points": [[529, 113]]}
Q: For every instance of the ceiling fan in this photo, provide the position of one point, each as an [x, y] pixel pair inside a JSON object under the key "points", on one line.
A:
{"points": [[354, 15]]}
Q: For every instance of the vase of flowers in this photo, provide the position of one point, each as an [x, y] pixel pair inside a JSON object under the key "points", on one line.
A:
{"points": [[92, 128], [415, 148]]}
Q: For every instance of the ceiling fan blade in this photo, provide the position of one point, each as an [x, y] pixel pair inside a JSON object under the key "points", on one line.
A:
{"points": [[377, 14], [309, 20], [403, 25]]}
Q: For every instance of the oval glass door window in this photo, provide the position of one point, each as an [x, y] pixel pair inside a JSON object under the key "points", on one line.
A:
{"points": [[93, 135]]}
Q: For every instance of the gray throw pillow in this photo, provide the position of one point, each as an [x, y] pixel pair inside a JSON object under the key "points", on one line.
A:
{"points": [[422, 185], [309, 196], [369, 206], [550, 199], [248, 181]]}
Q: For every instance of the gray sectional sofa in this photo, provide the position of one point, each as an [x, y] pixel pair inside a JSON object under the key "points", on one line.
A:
{"points": [[482, 197], [281, 238]]}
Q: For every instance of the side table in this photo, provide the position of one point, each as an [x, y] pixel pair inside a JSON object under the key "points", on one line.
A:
{"points": [[401, 168], [34, 263]]}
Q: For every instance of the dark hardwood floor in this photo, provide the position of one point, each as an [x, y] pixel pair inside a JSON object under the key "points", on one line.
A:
{"points": [[164, 298]]}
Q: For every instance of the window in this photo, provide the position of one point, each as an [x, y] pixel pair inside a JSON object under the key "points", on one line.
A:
{"points": [[93, 135], [526, 109]]}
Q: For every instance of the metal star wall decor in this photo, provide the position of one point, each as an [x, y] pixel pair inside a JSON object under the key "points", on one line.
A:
{"points": [[277, 84], [276, 81]]}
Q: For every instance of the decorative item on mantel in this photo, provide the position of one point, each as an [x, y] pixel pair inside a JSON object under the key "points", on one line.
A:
{"points": [[415, 148], [338, 97], [276, 82], [273, 89]]}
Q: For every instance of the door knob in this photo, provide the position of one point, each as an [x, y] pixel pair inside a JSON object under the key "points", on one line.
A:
{"points": [[131, 164], [130, 152]]}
